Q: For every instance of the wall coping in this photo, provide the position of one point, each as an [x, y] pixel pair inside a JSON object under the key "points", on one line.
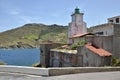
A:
{"points": [[54, 70], [24, 70], [64, 51]]}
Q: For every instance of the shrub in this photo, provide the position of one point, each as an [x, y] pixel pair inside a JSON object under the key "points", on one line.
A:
{"points": [[80, 43], [2, 63], [36, 65], [115, 62]]}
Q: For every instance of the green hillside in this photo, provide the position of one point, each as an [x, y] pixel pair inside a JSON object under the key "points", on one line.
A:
{"points": [[32, 35]]}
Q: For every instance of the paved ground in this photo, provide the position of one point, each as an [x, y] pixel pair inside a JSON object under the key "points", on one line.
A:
{"points": [[82, 76]]}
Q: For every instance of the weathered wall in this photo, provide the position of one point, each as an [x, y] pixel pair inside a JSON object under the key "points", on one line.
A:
{"points": [[116, 47], [77, 26], [45, 53], [62, 59], [109, 43], [74, 70], [107, 29], [83, 58], [105, 42], [90, 58], [117, 30], [54, 71]]}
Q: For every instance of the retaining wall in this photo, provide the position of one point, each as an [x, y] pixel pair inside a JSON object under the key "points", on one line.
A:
{"points": [[25, 70], [55, 71]]}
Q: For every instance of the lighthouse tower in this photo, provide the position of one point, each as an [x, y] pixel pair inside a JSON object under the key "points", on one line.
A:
{"points": [[77, 26]]}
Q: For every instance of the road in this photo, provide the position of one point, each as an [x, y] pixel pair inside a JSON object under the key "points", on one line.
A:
{"points": [[81, 76]]}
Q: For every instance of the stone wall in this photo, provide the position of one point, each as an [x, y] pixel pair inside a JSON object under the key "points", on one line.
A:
{"points": [[82, 58], [45, 53], [62, 59]]}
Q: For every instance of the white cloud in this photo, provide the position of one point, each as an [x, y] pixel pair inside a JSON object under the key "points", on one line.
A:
{"points": [[28, 19], [14, 12], [55, 15]]}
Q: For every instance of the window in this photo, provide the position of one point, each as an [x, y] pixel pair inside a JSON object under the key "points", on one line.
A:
{"points": [[117, 20], [111, 21], [99, 33], [73, 18]]}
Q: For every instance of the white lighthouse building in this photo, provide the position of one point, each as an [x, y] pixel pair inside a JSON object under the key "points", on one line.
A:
{"points": [[77, 26]]}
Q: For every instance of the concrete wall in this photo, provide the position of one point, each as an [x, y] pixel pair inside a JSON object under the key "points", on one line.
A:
{"points": [[91, 59], [107, 29], [109, 43], [62, 59], [25, 70], [113, 20], [83, 58], [117, 30], [116, 47], [45, 53], [73, 70], [105, 42], [55, 71]]}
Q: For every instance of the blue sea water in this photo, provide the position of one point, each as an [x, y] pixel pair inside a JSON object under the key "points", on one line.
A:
{"points": [[20, 57]]}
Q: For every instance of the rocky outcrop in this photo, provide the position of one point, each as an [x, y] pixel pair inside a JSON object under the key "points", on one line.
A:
{"points": [[22, 46], [18, 45]]}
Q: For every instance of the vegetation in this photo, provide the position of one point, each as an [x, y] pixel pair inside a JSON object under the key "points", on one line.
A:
{"points": [[33, 34], [115, 62], [2, 63], [36, 65], [80, 43]]}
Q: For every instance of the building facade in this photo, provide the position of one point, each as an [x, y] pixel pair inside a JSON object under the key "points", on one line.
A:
{"points": [[77, 26], [115, 20], [108, 29], [112, 28], [84, 56]]}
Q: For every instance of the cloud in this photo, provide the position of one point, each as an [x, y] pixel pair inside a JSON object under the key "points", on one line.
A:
{"points": [[55, 15], [14, 12], [11, 9], [29, 19]]}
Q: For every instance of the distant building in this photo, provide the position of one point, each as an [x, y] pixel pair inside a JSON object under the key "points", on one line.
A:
{"points": [[115, 20], [107, 36], [109, 29], [77, 26], [112, 28]]}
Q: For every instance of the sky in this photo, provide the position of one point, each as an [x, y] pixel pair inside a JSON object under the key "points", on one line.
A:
{"points": [[15, 13]]}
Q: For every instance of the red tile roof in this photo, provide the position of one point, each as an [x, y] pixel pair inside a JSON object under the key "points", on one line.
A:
{"points": [[81, 35], [99, 51]]}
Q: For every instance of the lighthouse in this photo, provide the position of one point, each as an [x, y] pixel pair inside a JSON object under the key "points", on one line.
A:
{"points": [[77, 25]]}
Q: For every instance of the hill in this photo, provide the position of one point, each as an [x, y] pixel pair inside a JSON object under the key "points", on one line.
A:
{"points": [[30, 35]]}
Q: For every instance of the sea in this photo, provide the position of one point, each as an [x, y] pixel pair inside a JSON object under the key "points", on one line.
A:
{"points": [[20, 57]]}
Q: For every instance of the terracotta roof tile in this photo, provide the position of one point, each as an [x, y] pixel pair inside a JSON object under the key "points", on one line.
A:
{"points": [[98, 51], [81, 35]]}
